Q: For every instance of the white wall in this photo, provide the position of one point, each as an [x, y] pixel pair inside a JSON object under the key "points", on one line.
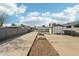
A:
{"points": [[50, 30], [58, 30], [73, 29], [7, 32]]}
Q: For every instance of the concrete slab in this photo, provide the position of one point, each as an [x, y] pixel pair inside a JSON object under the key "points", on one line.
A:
{"points": [[19, 46], [64, 45]]}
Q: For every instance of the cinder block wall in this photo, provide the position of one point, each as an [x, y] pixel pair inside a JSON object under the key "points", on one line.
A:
{"points": [[11, 31]]}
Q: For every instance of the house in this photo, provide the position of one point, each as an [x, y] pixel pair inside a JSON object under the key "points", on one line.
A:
{"points": [[55, 28], [72, 28], [43, 29]]}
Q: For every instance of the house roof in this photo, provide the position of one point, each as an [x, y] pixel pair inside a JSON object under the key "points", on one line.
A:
{"points": [[72, 24]]}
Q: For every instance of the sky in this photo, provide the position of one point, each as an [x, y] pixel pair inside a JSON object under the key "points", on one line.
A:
{"points": [[38, 14]]}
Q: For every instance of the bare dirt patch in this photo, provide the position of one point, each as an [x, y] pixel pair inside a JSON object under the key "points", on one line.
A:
{"points": [[42, 47]]}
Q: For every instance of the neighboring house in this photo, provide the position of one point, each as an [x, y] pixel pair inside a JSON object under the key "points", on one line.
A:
{"points": [[72, 28], [43, 29], [68, 28], [56, 29]]}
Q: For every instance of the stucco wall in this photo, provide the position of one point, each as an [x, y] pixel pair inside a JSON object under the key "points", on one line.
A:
{"points": [[58, 30], [10, 31]]}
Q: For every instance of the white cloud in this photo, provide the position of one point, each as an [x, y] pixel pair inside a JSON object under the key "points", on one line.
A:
{"points": [[68, 15], [11, 8], [32, 21], [46, 14], [21, 9], [6, 25], [33, 14], [71, 13], [36, 18], [58, 15]]}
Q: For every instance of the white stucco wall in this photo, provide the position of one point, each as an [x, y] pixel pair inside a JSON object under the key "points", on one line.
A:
{"points": [[7, 32], [50, 30], [58, 30]]}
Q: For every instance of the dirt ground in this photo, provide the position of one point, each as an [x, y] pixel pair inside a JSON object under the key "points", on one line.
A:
{"points": [[42, 47], [19, 46], [65, 45]]}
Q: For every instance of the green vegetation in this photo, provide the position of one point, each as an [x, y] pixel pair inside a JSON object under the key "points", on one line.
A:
{"points": [[13, 25], [3, 16], [43, 26], [22, 25]]}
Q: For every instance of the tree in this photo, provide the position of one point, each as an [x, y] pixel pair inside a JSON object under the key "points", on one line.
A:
{"points": [[13, 25], [3, 16], [43, 26], [22, 25]]}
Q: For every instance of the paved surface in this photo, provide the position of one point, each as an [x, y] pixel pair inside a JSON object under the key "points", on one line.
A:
{"points": [[19, 46], [42, 47], [64, 45]]}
